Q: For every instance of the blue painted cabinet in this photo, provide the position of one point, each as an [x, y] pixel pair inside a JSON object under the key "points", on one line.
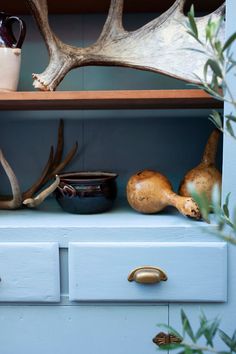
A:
{"points": [[64, 278]]}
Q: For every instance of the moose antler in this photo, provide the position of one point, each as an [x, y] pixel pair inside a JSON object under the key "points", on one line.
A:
{"points": [[161, 45], [54, 165]]}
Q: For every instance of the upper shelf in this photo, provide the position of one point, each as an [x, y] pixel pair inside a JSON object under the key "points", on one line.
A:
{"points": [[94, 6], [139, 99]]}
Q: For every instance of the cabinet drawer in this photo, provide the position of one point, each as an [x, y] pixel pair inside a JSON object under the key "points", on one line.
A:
{"points": [[79, 329], [29, 272], [196, 271]]}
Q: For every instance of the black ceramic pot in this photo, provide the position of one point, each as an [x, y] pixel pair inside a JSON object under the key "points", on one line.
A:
{"points": [[86, 192]]}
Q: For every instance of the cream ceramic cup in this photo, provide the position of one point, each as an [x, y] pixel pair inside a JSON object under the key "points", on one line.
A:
{"points": [[10, 60]]}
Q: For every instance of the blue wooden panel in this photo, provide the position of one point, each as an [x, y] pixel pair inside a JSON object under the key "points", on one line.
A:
{"points": [[229, 164], [196, 271], [29, 272], [80, 329]]}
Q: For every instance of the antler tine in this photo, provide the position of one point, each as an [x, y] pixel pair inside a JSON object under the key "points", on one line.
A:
{"points": [[55, 48], [65, 162], [34, 202], [218, 13], [42, 179], [40, 10], [176, 8], [113, 24], [181, 4], [60, 144], [221, 10], [16, 201]]}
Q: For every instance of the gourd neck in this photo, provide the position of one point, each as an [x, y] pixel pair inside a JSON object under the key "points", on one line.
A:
{"points": [[186, 205], [209, 155]]}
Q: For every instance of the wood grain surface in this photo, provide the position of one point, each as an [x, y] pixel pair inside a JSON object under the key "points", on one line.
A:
{"points": [[122, 99]]}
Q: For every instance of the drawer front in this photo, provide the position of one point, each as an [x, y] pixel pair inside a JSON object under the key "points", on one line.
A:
{"points": [[196, 271], [80, 329], [29, 272]]}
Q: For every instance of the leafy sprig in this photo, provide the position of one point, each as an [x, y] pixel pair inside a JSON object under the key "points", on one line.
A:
{"points": [[219, 63], [207, 332]]}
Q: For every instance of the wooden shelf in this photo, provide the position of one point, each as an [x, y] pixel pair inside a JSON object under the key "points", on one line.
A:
{"points": [[140, 99], [94, 6]]}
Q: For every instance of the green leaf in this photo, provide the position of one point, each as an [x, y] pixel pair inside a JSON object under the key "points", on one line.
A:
{"points": [[234, 220], [234, 336], [214, 83], [213, 64], [216, 195], [201, 330], [186, 326], [231, 343], [213, 329], [208, 328], [215, 117], [226, 210], [226, 339], [188, 350], [192, 23], [202, 202], [229, 41], [229, 128], [218, 47], [227, 199], [208, 33], [192, 11], [231, 117], [212, 30]]}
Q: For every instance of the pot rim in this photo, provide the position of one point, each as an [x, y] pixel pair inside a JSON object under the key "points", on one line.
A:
{"points": [[83, 177]]}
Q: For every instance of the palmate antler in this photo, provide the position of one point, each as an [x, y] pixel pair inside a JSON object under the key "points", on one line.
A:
{"points": [[161, 45], [54, 165]]}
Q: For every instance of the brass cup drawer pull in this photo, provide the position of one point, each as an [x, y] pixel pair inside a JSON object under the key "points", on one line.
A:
{"points": [[147, 275], [162, 339]]}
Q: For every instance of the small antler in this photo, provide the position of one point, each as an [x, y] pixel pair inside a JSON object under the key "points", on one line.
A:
{"points": [[162, 45], [16, 201], [54, 165]]}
